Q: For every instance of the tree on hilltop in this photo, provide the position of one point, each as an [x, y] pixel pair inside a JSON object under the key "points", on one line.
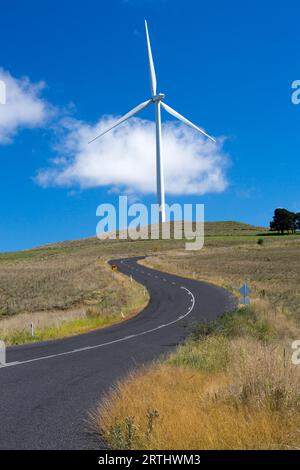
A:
{"points": [[284, 221]]}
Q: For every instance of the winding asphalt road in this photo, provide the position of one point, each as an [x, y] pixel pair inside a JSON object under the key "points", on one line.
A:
{"points": [[47, 389]]}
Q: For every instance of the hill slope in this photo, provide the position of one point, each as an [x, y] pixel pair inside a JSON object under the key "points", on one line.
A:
{"points": [[71, 281]]}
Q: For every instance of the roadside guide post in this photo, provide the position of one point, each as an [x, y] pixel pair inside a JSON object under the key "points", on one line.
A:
{"points": [[2, 353], [114, 268]]}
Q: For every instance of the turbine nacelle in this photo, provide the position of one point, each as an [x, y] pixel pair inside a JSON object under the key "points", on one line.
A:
{"points": [[158, 97]]}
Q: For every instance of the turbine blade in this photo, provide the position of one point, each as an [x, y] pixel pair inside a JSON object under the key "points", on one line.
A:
{"points": [[183, 119], [131, 113], [151, 64]]}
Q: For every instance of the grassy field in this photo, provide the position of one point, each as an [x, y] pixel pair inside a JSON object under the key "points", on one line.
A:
{"points": [[64, 275], [232, 385], [272, 269], [67, 288], [64, 289], [118, 299]]}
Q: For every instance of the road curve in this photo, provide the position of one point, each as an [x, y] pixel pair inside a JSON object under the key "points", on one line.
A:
{"points": [[47, 388]]}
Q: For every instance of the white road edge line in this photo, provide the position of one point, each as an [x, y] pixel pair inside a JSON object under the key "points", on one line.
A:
{"points": [[119, 340]]}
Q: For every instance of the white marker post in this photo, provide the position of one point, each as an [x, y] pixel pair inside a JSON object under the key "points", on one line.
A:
{"points": [[2, 354], [32, 329]]}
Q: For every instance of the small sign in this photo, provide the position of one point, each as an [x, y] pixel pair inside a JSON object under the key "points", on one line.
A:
{"points": [[114, 267], [245, 291]]}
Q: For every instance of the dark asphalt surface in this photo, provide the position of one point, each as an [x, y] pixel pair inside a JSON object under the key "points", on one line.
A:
{"points": [[47, 391]]}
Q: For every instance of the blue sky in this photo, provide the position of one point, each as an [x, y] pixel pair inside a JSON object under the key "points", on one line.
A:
{"points": [[225, 65]]}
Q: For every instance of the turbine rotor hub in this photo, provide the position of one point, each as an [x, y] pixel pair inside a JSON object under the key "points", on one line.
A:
{"points": [[158, 97]]}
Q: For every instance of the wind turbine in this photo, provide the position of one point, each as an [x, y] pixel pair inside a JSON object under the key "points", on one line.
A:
{"points": [[157, 100]]}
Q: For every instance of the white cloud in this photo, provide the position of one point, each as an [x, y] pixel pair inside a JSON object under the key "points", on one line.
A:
{"points": [[24, 107], [125, 158]]}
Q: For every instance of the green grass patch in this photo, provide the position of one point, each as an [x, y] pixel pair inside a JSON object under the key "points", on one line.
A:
{"points": [[208, 347], [209, 355], [242, 322], [68, 328], [30, 254]]}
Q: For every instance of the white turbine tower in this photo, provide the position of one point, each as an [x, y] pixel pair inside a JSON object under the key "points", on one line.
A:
{"points": [[157, 100]]}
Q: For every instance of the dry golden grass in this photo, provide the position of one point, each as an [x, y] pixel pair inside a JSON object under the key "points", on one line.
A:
{"points": [[63, 275], [263, 376], [271, 270], [191, 410], [15, 329], [49, 280], [63, 290]]}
